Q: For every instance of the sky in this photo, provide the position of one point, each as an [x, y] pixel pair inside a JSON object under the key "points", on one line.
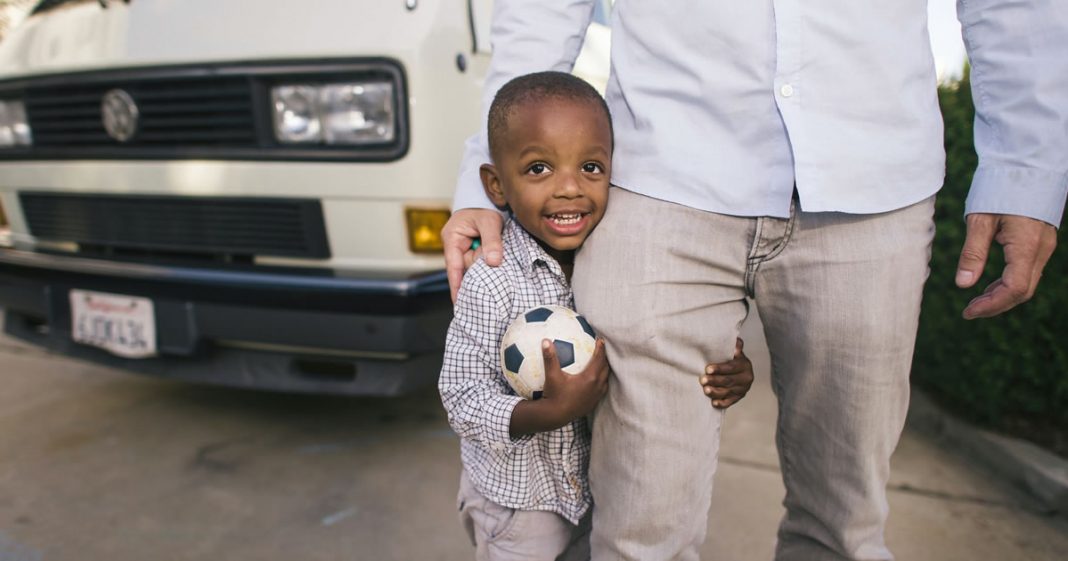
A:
{"points": [[945, 37]]}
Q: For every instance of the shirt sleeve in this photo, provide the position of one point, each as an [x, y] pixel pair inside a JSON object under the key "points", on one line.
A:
{"points": [[1020, 86], [478, 401], [526, 37]]}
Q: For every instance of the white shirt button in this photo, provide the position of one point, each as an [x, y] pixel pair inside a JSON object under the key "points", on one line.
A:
{"points": [[786, 90]]}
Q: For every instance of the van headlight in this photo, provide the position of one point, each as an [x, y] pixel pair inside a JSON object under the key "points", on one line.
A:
{"points": [[14, 128], [334, 114]]}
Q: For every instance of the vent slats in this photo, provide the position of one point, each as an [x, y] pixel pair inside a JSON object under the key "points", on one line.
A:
{"points": [[187, 113], [208, 225]]}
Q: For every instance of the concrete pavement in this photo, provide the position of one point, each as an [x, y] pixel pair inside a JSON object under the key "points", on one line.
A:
{"points": [[944, 506], [97, 464]]}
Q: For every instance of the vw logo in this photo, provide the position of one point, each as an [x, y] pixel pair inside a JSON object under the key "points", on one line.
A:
{"points": [[119, 112]]}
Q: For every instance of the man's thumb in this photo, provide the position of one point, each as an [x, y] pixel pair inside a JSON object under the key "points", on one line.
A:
{"points": [[981, 229], [490, 232]]}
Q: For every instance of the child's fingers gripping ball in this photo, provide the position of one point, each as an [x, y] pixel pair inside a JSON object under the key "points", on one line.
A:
{"points": [[521, 356]]}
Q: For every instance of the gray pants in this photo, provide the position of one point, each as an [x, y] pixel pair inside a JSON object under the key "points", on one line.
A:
{"points": [[500, 533], [839, 297]]}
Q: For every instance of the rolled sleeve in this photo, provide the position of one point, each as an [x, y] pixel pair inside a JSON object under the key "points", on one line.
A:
{"points": [[478, 401]]}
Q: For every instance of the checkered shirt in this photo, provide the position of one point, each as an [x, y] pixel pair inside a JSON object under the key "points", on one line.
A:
{"points": [[543, 471]]}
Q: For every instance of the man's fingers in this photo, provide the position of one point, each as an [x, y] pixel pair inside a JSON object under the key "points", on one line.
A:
{"points": [[1028, 246], [489, 229], [981, 230], [464, 226], [454, 268]]}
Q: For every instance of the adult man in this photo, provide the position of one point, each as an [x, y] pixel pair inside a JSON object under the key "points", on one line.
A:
{"points": [[787, 151]]}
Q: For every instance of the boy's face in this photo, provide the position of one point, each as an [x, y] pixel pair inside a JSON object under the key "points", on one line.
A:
{"points": [[553, 170]]}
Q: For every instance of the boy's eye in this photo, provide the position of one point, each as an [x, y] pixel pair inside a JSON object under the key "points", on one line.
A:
{"points": [[538, 169], [592, 167]]}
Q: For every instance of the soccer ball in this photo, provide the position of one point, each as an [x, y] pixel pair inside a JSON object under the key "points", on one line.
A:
{"points": [[521, 358]]}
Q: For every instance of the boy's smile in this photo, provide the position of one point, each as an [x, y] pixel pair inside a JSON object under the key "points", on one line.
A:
{"points": [[552, 171]]}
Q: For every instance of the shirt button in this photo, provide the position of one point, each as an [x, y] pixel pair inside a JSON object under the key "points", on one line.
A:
{"points": [[786, 90]]}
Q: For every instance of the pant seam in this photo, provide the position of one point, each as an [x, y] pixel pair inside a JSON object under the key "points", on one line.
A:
{"points": [[752, 261], [786, 236]]}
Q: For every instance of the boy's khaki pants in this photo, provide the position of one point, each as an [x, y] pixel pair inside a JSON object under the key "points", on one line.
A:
{"points": [[505, 534], [839, 297]]}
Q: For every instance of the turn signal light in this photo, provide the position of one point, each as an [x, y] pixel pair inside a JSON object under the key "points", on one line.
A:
{"points": [[424, 229]]}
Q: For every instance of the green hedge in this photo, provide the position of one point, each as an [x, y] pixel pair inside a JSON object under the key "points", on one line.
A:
{"points": [[1009, 373]]}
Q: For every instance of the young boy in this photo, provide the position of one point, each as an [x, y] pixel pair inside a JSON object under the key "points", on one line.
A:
{"points": [[523, 491]]}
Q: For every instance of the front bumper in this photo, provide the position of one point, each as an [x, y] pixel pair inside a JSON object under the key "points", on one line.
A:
{"points": [[285, 329]]}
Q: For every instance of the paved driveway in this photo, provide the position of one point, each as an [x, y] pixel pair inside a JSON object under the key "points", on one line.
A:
{"points": [[98, 464]]}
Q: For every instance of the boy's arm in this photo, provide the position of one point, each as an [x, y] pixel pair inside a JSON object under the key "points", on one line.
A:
{"points": [[478, 401]]}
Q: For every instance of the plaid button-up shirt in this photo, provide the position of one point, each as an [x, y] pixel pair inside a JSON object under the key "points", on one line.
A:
{"points": [[543, 471]]}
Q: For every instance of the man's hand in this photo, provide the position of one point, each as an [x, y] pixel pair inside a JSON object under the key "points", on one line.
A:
{"points": [[1028, 244], [465, 226]]}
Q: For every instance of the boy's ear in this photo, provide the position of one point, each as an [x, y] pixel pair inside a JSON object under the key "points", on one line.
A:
{"points": [[491, 182]]}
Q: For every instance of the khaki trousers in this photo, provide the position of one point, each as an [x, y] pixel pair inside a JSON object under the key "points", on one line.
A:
{"points": [[500, 533], [839, 297]]}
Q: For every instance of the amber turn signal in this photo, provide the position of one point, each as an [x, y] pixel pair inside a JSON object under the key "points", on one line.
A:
{"points": [[424, 229]]}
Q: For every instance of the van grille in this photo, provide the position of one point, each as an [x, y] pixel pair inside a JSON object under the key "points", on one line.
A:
{"points": [[195, 225], [187, 112]]}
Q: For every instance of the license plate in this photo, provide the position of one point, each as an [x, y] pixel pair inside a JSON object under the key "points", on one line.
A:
{"points": [[122, 325]]}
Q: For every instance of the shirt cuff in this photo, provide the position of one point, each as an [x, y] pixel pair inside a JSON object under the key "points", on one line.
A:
{"points": [[1027, 192], [497, 434]]}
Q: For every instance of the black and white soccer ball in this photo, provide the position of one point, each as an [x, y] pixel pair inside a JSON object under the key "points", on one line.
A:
{"points": [[521, 358]]}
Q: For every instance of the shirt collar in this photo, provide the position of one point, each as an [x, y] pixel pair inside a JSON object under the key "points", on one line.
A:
{"points": [[528, 251]]}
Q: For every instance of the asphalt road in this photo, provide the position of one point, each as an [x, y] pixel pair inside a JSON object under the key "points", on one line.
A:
{"points": [[97, 464]]}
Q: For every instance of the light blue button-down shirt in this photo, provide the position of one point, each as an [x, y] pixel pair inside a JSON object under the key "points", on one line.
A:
{"points": [[727, 105]]}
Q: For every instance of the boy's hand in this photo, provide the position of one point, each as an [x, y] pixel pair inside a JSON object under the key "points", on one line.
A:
{"points": [[565, 397], [727, 382], [574, 395]]}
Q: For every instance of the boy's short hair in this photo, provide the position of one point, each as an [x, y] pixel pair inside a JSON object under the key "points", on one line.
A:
{"points": [[538, 86]]}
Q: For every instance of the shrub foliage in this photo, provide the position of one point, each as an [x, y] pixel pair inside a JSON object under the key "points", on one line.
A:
{"points": [[1009, 373]]}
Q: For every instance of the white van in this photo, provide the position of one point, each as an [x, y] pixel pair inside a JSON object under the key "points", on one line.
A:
{"points": [[241, 192]]}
